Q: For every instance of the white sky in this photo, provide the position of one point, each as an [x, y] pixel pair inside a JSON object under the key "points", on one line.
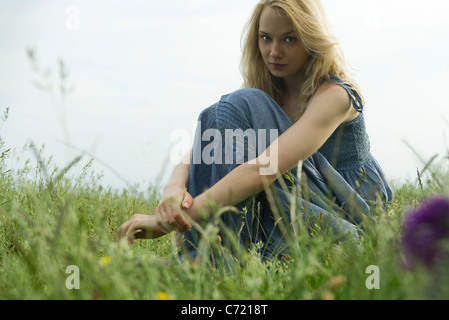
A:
{"points": [[143, 69]]}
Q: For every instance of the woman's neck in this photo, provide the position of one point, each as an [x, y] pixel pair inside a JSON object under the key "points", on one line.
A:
{"points": [[294, 85], [292, 97]]}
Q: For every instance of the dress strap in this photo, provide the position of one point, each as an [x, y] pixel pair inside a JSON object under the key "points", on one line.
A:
{"points": [[356, 100]]}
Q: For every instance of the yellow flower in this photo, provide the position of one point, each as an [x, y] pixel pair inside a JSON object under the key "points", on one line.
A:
{"points": [[164, 296], [336, 282], [326, 295], [105, 260]]}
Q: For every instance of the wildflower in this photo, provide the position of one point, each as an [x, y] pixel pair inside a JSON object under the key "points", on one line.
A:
{"points": [[424, 230], [164, 296], [336, 282], [105, 260], [326, 295]]}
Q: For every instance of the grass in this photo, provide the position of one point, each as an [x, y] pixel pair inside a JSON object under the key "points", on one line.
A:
{"points": [[50, 219]]}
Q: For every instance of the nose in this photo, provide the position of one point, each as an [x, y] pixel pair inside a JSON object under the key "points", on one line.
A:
{"points": [[276, 50]]}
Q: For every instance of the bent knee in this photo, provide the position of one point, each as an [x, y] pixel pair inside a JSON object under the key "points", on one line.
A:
{"points": [[250, 108], [245, 96], [250, 101]]}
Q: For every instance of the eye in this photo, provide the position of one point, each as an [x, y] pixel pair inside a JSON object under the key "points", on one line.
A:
{"points": [[290, 39], [264, 37]]}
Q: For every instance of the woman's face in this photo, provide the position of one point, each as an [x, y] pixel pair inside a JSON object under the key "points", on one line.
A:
{"points": [[281, 49]]}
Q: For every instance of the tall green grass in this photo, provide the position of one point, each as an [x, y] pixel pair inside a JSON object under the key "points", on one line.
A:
{"points": [[51, 219]]}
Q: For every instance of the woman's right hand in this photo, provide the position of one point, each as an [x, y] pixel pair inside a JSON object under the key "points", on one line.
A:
{"points": [[169, 213]]}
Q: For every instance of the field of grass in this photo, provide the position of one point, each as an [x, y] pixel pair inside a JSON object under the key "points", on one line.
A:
{"points": [[51, 220]]}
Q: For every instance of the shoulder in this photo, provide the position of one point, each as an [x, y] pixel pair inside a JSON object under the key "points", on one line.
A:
{"points": [[334, 94], [331, 96], [335, 101]]}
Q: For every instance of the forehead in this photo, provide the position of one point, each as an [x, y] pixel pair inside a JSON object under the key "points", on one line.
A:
{"points": [[275, 21]]}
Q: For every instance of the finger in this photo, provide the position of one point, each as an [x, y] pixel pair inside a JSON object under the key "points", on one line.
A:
{"points": [[182, 222], [121, 231], [171, 219], [176, 220], [131, 232], [161, 219], [187, 201]]}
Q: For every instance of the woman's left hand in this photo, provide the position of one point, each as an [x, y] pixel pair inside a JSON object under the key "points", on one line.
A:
{"points": [[140, 226]]}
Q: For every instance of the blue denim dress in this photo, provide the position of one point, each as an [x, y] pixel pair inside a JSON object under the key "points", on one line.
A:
{"points": [[339, 183]]}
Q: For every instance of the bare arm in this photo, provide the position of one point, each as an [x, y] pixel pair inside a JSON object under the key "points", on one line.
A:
{"points": [[180, 174]]}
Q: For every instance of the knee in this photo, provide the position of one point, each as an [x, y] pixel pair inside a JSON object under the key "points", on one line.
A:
{"points": [[246, 97], [249, 101], [245, 92]]}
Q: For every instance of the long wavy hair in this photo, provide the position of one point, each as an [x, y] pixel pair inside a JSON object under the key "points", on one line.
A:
{"points": [[311, 26]]}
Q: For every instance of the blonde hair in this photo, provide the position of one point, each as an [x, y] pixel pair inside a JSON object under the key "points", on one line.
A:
{"points": [[311, 25]]}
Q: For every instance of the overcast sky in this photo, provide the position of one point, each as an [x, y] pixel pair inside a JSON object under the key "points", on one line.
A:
{"points": [[143, 69]]}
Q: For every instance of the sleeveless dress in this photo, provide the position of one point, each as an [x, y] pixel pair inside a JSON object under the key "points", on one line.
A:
{"points": [[338, 184]]}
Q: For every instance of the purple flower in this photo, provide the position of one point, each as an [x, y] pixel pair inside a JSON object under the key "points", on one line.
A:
{"points": [[423, 232]]}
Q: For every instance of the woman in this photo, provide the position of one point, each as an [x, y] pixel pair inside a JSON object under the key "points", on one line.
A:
{"points": [[296, 83]]}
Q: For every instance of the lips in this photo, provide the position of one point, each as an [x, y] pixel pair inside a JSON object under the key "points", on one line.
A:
{"points": [[277, 65]]}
